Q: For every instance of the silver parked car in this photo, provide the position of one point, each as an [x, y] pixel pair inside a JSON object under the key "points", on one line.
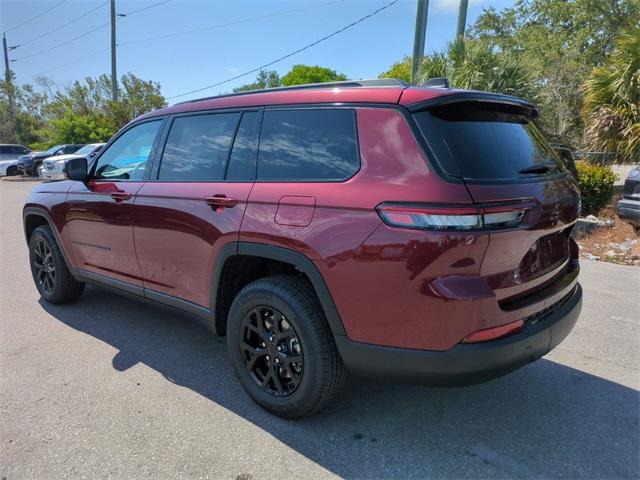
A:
{"points": [[53, 167]]}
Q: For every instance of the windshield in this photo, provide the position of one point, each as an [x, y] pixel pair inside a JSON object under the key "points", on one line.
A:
{"points": [[86, 150], [475, 140], [54, 149]]}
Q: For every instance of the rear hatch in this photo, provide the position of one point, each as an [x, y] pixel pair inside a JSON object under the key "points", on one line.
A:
{"points": [[507, 165]]}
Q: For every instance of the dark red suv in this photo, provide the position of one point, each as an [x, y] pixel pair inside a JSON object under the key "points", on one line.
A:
{"points": [[420, 234]]}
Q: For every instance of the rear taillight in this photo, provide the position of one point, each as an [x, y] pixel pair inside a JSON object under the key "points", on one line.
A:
{"points": [[429, 217]]}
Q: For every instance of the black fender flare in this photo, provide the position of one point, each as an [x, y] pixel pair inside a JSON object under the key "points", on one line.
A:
{"points": [[41, 212], [286, 255]]}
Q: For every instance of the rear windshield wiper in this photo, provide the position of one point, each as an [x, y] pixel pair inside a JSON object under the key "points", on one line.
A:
{"points": [[540, 168]]}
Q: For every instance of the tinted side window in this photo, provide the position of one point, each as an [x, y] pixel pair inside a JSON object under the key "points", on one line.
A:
{"points": [[126, 158], [197, 147], [21, 150], [243, 156], [308, 145], [6, 149]]}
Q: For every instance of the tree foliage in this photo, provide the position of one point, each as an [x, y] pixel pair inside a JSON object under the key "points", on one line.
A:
{"points": [[559, 43], [303, 74], [265, 79], [611, 108], [81, 113]]}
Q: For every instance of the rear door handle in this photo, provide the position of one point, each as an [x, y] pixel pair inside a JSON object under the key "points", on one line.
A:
{"points": [[120, 196], [221, 200]]}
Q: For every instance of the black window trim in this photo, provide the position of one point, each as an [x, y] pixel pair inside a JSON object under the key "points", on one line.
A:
{"points": [[154, 150], [155, 168], [352, 107]]}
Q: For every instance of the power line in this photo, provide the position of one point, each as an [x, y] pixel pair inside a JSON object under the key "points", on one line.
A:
{"points": [[57, 29], [37, 16], [235, 22], [146, 8], [100, 27], [229, 24], [74, 61], [257, 69]]}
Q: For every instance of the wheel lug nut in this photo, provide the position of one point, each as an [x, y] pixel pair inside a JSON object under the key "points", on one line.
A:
{"points": [[277, 360], [266, 358], [271, 338]]}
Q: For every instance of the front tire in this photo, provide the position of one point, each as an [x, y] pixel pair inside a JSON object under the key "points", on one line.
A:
{"points": [[281, 347], [49, 270]]}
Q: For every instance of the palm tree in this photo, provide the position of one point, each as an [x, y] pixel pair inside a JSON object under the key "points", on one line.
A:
{"points": [[611, 109], [478, 65]]}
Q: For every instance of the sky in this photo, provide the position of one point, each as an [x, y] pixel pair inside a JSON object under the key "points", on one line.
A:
{"points": [[245, 34]]}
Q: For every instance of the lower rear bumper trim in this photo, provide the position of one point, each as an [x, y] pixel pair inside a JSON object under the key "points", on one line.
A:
{"points": [[464, 364]]}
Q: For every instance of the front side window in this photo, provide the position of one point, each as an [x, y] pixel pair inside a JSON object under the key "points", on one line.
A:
{"points": [[308, 145], [197, 147], [127, 157]]}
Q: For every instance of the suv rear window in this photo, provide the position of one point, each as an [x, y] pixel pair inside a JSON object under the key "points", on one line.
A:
{"points": [[308, 145], [486, 141]]}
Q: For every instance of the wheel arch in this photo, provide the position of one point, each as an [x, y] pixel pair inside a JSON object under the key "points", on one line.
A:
{"points": [[34, 217], [296, 260]]}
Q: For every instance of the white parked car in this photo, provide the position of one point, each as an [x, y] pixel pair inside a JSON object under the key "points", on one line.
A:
{"points": [[9, 154], [53, 167]]}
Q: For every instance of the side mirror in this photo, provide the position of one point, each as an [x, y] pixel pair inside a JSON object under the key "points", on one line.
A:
{"points": [[76, 169]]}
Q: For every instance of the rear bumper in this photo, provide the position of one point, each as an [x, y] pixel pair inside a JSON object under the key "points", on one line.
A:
{"points": [[629, 211], [465, 364]]}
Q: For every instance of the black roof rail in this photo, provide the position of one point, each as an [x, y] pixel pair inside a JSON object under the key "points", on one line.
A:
{"points": [[376, 82]]}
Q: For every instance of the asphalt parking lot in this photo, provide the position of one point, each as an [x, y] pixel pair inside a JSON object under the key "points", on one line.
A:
{"points": [[109, 388]]}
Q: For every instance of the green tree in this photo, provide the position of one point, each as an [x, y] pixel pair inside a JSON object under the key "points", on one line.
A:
{"points": [[303, 74], [23, 121], [265, 79], [85, 112], [558, 42], [611, 108], [400, 70]]}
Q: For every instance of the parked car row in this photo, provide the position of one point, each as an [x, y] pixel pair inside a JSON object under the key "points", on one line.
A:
{"points": [[49, 164], [53, 167]]}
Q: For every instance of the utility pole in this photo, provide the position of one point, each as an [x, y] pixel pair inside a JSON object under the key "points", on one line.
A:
{"points": [[114, 75], [462, 20], [8, 83], [6, 57], [419, 37]]}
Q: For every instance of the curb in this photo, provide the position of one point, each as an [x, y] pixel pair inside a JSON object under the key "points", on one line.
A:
{"points": [[19, 178]]}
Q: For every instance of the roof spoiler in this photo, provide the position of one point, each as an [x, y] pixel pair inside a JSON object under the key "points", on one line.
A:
{"points": [[476, 96]]}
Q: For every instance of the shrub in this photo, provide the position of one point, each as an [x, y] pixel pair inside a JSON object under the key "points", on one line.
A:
{"points": [[596, 186]]}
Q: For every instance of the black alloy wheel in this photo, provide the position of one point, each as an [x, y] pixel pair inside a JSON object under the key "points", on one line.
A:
{"points": [[44, 265], [271, 350]]}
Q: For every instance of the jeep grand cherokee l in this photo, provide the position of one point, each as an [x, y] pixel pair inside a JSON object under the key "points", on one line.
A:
{"points": [[418, 234]]}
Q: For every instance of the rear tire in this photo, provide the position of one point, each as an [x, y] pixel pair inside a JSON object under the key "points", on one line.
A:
{"points": [[281, 347], [49, 270], [12, 171]]}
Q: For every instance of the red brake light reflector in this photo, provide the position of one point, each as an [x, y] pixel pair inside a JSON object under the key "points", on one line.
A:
{"points": [[494, 333]]}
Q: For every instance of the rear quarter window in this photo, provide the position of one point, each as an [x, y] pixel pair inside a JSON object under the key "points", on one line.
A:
{"points": [[485, 141], [308, 145]]}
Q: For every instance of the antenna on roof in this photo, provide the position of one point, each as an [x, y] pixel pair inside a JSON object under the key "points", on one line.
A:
{"points": [[438, 82]]}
